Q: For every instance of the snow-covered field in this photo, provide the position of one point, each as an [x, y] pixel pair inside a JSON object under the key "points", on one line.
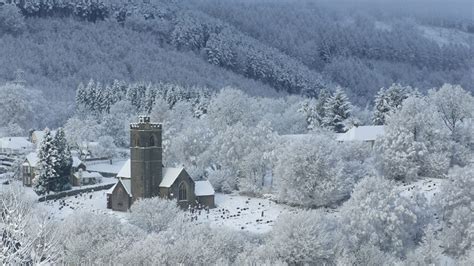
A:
{"points": [[244, 213], [233, 211], [429, 187]]}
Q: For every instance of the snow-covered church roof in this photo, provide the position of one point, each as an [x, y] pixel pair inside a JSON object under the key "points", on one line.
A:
{"points": [[203, 188], [125, 170], [362, 133], [169, 174], [127, 184]]}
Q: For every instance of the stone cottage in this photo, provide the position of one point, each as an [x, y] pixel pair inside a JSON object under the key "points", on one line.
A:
{"points": [[143, 175]]}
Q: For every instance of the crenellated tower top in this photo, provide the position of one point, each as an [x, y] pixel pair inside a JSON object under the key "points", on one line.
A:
{"points": [[144, 124]]}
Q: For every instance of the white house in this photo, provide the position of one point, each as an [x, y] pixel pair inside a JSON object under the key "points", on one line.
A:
{"points": [[362, 133], [15, 145]]}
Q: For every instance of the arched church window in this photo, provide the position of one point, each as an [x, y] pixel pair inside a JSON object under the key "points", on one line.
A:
{"points": [[183, 195], [152, 141], [137, 141]]}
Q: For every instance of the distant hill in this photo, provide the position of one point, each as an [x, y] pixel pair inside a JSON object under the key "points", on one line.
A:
{"points": [[261, 47]]}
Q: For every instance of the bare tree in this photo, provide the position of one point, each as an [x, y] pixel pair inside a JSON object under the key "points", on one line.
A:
{"points": [[27, 237]]}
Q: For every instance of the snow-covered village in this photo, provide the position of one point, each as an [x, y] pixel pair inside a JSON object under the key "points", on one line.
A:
{"points": [[236, 132]]}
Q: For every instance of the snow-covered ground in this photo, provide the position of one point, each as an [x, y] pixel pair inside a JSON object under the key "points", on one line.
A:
{"points": [[233, 211], [244, 213], [429, 187]]}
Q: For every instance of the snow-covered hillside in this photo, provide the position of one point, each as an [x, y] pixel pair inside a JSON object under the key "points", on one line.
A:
{"points": [[443, 36]]}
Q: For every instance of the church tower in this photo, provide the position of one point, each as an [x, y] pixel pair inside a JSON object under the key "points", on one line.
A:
{"points": [[145, 158]]}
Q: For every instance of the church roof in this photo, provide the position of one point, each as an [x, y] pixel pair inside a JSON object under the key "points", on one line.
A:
{"points": [[169, 174], [203, 188], [125, 170], [126, 184]]}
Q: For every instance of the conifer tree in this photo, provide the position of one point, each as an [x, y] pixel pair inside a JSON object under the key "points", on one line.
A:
{"points": [[64, 164], [308, 108], [80, 94], [380, 107], [388, 101], [320, 102], [48, 163], [336, 111]]}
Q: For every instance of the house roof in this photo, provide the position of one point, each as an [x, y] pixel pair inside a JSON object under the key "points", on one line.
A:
{"points": [[169, 174], [86, 174], [362, 133], [203, 188], [76, 161], [15, 143], [106, 167], [32, 159]]}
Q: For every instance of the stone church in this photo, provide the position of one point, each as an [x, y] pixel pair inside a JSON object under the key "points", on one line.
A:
{"points": [[143, 175]]}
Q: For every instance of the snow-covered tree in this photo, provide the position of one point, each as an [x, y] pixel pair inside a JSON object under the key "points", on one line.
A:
{"points": [[21, 107], [454, 106], [64, 159], [48, 163], [154, 214], [308, 108], [79, 131], [88, 238], [429, 251], [399, 154], [11, 20], [229, 107], [455, 109], [414, 143], [366, 255], [306, 238], [388, 101], [337, 110], [106, 148], [306, 172], [377, 215], [323, 97], [28, 235], [455, 199]]}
